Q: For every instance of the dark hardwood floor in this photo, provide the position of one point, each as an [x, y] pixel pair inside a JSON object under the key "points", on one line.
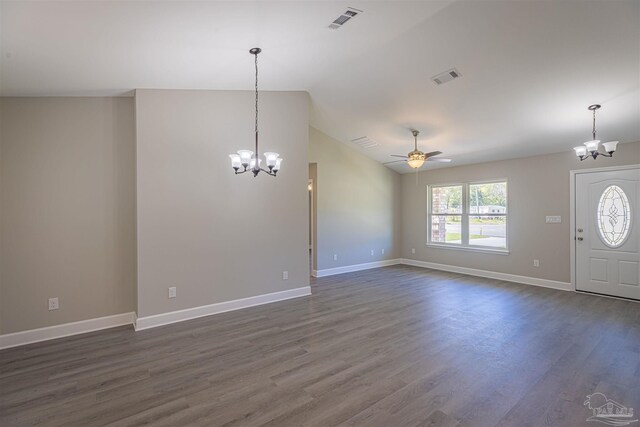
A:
{"points": [[396, 346]]}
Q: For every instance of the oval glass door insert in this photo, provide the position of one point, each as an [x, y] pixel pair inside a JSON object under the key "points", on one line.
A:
{"points": [[614, 216]]}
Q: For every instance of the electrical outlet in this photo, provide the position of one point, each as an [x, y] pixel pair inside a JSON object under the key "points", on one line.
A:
{"points": [[172, 292], [371, 252], [285, 275], [413, 250], [335, 257], [54, 304], [536, 263], [383, 252]]}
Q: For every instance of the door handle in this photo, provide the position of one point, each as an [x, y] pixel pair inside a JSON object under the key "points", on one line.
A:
{"points": [[580, 239]]}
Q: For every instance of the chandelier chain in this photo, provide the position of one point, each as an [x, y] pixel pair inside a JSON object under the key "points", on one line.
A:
{"points": [[256, 64], [594, 124]]}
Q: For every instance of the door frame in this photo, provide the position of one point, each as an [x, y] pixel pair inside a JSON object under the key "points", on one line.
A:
{"points": [[312, 228], [572, 213], [311, 207]]}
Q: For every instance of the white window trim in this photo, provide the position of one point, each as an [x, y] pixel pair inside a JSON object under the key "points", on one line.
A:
{"points": [[464, 222], [474, 248]]}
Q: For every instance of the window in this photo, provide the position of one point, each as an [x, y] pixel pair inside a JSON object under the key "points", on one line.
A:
{"points": [[446, 218], [614, 216], [472, 215]]}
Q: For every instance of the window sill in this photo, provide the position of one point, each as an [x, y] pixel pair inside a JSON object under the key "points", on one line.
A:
{"points": [[469, 249]]}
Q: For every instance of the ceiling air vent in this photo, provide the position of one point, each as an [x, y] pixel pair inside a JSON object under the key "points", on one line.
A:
{"points": [[445, 77], [364, 142], [344, 17]]}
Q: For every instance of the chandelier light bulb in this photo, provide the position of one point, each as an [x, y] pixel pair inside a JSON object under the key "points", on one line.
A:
{"points": [[610, 146], [245, 157], [580, 151], [271, 159], [276, 168], [592, 145], [252, 164], [235, 161]]}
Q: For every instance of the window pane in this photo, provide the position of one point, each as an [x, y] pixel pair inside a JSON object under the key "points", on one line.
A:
{"points": [[446, 199], [614, 216], [488, 198], [446, 229], [488, 231]]}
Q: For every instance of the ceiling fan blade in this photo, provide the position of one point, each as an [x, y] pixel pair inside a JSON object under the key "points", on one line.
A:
{"points": [[433, 153], [395, 161], [396, 155], [438, 159]]}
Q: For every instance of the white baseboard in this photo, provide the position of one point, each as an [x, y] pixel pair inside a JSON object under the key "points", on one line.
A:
{"points": [[221, 307], [564, 286], [66, 329], [58, 331], [355, 267]]}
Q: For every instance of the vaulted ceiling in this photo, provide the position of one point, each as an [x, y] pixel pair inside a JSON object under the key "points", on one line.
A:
{"points": [[529, 68]]}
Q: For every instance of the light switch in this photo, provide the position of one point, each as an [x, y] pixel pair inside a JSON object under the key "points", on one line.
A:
{"points": [[553, 219]]}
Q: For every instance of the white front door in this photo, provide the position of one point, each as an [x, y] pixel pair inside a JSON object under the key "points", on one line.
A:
{"points": [[607, 233]]}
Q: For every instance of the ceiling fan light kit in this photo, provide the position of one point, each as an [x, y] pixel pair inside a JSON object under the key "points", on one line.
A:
{"points": [[247, 159], [590, 148], [416, 158]]}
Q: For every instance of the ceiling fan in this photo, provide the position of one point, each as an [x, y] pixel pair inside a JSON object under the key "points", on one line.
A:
{"points": [[416, 158]]}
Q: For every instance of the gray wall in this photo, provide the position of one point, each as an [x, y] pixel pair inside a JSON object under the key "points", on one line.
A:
{"points": [[537, 186], [68, 205], [214, 235], [358, 205], [67, 225]]}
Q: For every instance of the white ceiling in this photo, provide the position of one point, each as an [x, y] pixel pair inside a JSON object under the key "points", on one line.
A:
{"points": [[529, 68]]}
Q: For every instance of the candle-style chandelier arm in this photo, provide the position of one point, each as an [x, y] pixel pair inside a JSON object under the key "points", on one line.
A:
{"points": [[240, 172], [594, 155], [271, 173]]}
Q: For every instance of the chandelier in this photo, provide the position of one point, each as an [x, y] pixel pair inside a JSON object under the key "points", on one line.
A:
{"points": [[590, 148], [247, 159]]}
